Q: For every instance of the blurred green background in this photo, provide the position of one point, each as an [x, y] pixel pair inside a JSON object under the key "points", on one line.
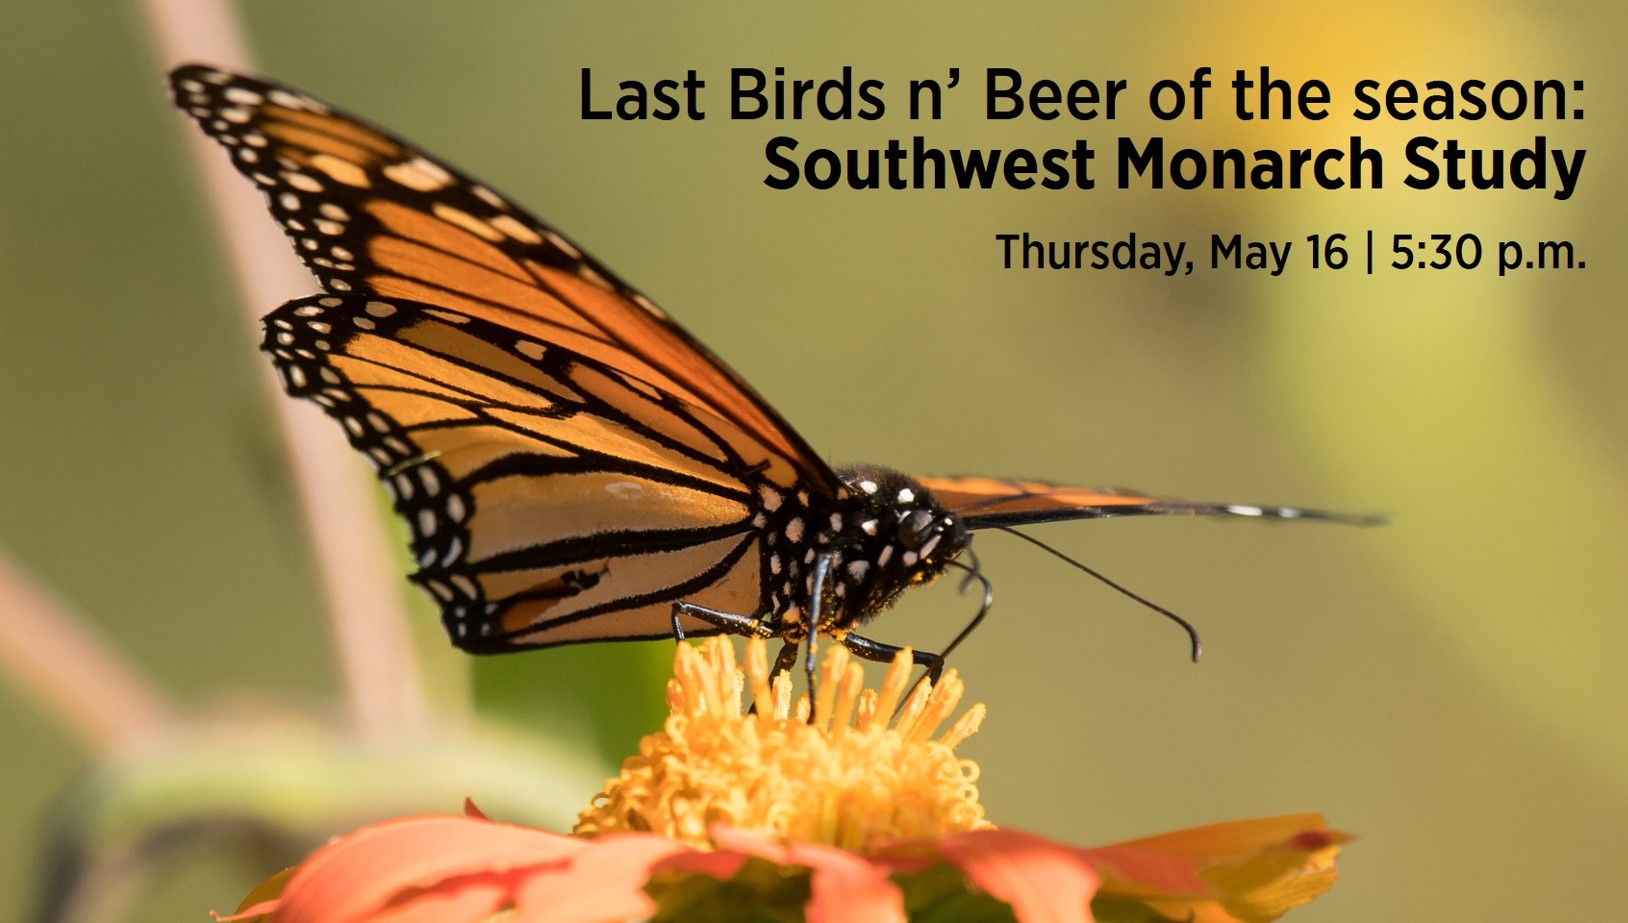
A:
{"points": [[1451, 688]]}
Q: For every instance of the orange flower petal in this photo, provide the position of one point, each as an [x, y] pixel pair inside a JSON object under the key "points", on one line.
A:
{"points": [[355, 877], [465, 901], [843, 885], [1230, 841], [1239, 872], [846, 886], [1043, 881], [720, 865], [606, 882], [1139, 873], [1280, 877]]}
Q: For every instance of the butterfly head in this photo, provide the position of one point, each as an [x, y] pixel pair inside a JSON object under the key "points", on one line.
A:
{"points": [[895, 536]]}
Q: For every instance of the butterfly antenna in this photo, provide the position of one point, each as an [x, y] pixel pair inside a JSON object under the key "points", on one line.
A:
{"points": [[1192, 633], [973, 573]]}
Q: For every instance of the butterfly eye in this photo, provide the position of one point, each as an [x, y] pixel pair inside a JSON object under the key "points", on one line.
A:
{"points": [[915, 529]]}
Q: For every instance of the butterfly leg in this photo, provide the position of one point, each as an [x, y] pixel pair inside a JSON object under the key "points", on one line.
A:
{"points": [[747, 626], [744, 625], [784, 659], [884, 653], [822, 572]]}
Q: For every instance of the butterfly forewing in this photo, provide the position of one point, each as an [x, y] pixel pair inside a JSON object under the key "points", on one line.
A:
{"points": [[984, 503], [570, 462], [371, 214]]}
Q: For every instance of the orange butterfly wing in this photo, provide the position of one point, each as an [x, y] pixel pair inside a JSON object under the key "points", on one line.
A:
{"points": [[984, 502], [550, 498], [507, 386], [370, 213]]}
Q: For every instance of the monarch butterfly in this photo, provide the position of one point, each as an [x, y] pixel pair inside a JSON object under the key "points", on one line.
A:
{"points": [[572, 465]]}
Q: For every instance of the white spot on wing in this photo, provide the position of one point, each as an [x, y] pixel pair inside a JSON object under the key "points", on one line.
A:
{"points": [[418, 174], [564, 245], [302, 182]]}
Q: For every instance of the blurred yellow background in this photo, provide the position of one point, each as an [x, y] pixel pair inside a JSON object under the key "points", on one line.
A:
{"points": [[1451, 688]]}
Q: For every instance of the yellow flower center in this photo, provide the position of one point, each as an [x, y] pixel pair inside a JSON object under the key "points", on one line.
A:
{"points": [[852, 778]]}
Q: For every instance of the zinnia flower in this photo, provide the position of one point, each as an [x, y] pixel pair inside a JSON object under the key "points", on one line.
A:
{"points": [[858, 815]]}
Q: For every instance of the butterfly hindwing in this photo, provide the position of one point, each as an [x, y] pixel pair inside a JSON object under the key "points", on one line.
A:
{"points": [[550, 498]]}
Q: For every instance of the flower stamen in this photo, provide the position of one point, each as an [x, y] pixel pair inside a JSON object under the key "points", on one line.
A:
{"points": [[853, 778]]}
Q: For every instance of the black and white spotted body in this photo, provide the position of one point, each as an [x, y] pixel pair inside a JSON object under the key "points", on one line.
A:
{"points": [[890, 535]]}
